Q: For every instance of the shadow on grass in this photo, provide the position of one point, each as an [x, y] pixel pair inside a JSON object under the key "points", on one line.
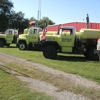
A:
{"points": [[10, 47], [71, 58], [34, 50]]}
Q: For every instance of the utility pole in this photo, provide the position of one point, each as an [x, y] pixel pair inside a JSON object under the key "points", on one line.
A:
{"points": [[39, 10]]}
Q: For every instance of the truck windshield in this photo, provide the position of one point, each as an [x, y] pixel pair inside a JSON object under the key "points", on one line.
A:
{"points": [[67, 31], [34, 30], [9, 31]]}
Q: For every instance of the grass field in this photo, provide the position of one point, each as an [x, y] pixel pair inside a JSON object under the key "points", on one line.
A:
{"points": [[74, 64], [12, 89]]}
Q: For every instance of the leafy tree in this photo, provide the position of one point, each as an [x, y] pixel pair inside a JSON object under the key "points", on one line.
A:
{"points": [[11, 19], [18, 21], [5, 6], [41, 23], [5, 9], [44, 20], [32, 18]]}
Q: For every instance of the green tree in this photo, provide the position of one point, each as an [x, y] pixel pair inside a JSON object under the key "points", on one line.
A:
{"points": [[5, 6], [32, 18], [10, 18], [18, 21], [5, 9], [43, 20]]}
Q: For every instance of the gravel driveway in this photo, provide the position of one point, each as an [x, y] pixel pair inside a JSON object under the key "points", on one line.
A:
{"points": [[45, 87]]}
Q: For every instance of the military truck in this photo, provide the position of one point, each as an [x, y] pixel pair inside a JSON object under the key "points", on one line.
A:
{"points": [[84, 41], [8, 37]]}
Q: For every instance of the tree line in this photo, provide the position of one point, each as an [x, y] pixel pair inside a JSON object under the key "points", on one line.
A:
{"points": [[11, 19]]}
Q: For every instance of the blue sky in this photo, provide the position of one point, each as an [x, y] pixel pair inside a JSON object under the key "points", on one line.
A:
{"points": [[60, 11]]}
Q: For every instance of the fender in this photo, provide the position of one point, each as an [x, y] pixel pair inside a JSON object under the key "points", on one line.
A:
{"points": [[46, 43]]}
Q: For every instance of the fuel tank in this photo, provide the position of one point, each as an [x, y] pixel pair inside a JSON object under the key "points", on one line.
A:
{"points": [[88, 34]]}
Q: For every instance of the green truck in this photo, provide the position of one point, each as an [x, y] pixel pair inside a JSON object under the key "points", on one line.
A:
{"points": [[8, 37], [70, 41], [29, 38]]}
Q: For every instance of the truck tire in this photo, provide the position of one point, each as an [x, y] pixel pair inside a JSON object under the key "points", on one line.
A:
{"points": [[50, 52], [92, 55], [22, 46], [1, 43]]}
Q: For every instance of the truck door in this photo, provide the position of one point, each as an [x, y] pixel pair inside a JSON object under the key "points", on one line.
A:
{"points": [[33, 35], [67, 42], [9, 35]]}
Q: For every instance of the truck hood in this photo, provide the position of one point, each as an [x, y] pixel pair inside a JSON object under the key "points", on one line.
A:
{"points": [[2, 35], [22, 35]]}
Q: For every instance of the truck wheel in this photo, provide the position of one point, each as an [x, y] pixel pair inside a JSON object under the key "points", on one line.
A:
{"points": [[50, 52], [22, 46], [92, 55], [1, 43]]}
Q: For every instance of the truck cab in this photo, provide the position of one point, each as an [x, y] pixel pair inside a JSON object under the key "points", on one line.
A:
{"points": [[8, 37], [63, 42], [66, 41], [29, 37]]}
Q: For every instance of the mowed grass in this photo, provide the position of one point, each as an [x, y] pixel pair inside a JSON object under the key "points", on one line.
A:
{"points": [[12, 89], [70, 63]]}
